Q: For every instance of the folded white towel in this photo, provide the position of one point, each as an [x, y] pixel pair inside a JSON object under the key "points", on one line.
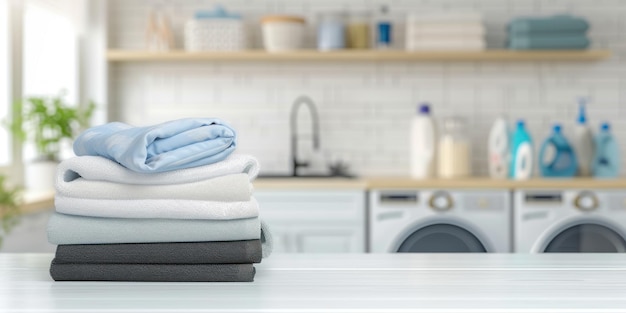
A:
{"points": [[235, 187], [445, 29], [444, 17], [451, 45], [99, 168], [157, 208]]}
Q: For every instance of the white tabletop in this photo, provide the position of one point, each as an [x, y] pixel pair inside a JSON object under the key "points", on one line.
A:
{"points": [[343, 283]]}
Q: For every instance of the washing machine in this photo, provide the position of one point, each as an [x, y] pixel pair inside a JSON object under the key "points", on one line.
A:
{"points": [[447, 221], [570, 221]]}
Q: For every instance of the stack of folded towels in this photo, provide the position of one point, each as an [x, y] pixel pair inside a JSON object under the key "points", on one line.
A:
{"points": [[161, 203], [445, 31], [555, 32]]}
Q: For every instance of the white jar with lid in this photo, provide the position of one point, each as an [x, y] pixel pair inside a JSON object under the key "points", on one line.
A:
{"points": [[453, 149], [283, 32]]}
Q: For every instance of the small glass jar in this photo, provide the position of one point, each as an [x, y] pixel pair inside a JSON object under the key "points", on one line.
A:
{"points": [[331, 31], [453, 149], [358, 30]]}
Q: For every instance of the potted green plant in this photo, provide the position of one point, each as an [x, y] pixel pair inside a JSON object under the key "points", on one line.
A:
{"points": [[9, 209], [46, 122]]}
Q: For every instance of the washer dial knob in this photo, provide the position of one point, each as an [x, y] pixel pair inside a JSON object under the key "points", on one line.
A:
{"points": [[441, 201], [586, 201]]}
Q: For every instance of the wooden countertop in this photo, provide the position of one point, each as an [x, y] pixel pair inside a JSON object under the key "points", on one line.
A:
{"points": [[343, 283], [408, 183], [309, 183]]}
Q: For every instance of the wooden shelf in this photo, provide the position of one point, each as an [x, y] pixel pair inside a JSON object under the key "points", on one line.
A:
{"points": [[356, 55]]}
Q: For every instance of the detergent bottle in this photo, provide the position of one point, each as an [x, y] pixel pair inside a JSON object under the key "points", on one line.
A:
{"points": [[606, 161], [422, 143], [583, 140], [521, 153], [499, 149], [557, 157]]}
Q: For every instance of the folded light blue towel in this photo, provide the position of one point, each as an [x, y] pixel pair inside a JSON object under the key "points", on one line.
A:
{"points": [[536, 42], [557, 23], [164, 147]]}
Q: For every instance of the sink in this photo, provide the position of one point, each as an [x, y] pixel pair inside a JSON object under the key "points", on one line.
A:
{"points": [[313, 176]]}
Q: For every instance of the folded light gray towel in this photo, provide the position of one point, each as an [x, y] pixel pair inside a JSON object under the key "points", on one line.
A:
{"points": [[66, 229], [153, 272], [214, 252]]}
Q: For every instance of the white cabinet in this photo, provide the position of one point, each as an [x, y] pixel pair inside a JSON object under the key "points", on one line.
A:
{"points": [[315, 221]]}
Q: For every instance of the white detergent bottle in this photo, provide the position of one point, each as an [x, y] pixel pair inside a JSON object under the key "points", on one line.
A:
{"points": [[521, 153], [583, 141], [499, 149], [606, 161], [422, 145]]}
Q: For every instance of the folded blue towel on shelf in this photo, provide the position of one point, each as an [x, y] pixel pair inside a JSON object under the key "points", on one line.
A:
{"points": [[557, 23], [173, 145], [537, 42]]}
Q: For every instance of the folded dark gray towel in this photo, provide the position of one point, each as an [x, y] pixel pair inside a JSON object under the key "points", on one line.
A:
{"points": [[213, 252], [153, 272]]}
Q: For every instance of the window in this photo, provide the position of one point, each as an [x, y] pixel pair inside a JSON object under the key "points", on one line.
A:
{"points": [[50, 54], [38, 57], [5, 142]]}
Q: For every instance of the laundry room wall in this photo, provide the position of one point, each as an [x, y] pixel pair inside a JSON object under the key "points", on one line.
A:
{"points": [[365, 108]]}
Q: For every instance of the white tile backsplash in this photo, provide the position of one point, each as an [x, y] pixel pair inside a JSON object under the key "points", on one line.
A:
{"points": [[365, 108]]}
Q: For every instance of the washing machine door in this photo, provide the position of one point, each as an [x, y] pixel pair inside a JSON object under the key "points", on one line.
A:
{"points": [[587, 237], [443, 238]]}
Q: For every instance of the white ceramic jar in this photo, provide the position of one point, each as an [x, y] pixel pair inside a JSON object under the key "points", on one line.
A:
{"points": [[283, 33]]}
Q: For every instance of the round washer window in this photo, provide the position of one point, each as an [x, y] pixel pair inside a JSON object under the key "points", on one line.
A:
{"points": [[587, 238], [444, 238]]}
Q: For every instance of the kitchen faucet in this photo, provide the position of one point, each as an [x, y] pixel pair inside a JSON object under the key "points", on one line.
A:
{"points": [[294, 129]]}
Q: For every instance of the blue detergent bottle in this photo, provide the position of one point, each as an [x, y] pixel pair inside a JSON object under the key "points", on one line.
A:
{"points": [[606, 160], [557, 157], [521, 153]]}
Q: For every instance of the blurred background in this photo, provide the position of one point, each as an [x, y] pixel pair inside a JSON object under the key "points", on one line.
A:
{"points": [[337, 84]]}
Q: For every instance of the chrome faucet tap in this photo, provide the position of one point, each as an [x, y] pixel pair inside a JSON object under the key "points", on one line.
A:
{"points": [[294, 129]]}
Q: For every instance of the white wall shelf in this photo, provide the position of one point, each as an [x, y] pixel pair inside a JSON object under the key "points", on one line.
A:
{"points": [[359, 55]]}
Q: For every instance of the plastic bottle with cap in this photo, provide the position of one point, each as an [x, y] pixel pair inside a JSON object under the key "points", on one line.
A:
{"points": [[606, 160], [583, 140], [556, 156], [383, 29], [423, 139], [499, 149], [521, 153]]}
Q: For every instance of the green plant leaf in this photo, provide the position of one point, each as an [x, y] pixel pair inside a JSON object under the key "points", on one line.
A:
{"points": [[47, 121], [9, 208]]}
